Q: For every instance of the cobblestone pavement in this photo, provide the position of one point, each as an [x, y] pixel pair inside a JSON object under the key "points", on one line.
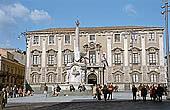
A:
{"points": [[92, 105], [121, 101]]}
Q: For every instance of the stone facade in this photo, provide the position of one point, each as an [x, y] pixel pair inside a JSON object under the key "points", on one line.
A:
{"points": [[122, 55], [11, 70]]}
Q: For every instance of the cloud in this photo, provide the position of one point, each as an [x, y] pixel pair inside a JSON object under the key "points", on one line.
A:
{"points": [[5, 44], [39, 15], [129, 9], [17, 11]]}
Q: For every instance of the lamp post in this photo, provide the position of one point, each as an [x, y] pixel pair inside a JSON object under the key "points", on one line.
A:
{"points": [[23, 34], [167, 44]]}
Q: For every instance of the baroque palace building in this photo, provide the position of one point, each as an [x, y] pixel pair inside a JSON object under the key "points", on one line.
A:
{"points": [[122, 55]]}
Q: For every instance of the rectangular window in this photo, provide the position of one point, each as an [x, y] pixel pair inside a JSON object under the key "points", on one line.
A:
{"points": [[68, 58], [67, 39], [92, 37], [134, 37], [51, 59], [92, 57], [152, 58], [35, 59], [151, 36], [36, 40], [117, 59], [117, 37], [51, 39], [135, 58]]}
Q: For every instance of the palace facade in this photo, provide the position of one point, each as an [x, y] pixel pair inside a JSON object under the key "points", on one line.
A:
{"points": [[122, 55]]}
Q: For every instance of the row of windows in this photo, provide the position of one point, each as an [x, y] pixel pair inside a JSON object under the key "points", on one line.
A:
{"points": [[67, 38], [69, 58], [11, 69], [135, 78]]}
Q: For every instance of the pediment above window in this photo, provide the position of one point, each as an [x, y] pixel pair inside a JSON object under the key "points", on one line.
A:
{"points": [[51, 51], [35, 51], [135, 49], [67, 51], [152, 49], [117, 50]]}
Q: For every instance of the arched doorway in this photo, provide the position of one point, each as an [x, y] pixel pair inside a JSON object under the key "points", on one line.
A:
{"points": [[92, 79]]}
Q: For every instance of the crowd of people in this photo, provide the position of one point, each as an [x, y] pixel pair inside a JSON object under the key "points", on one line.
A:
{"points": [[106, 90], [10, 92], [57, 89], [156, 92]]}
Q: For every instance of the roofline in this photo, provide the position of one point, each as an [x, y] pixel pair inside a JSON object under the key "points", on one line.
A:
{"points": [[96, 28]]}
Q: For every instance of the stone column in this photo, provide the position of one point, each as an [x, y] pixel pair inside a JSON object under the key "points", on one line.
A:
{"points": [[27, 60], [161, 51], [77, 43], [43, 60], [59, 58], [109, 50], [143, 58]]}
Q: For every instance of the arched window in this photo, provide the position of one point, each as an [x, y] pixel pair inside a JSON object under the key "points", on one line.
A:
{"points": [[153, 78], [35, 78], [135, 78], [51, 78], [117, 78]]}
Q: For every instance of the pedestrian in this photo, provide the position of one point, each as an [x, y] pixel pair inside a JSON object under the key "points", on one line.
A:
{"points": [[72, 88], [83, 88], [15, 90], [151, 93], [80, 87], [20, 92], [58, 89], [144, 93], [94, 91], [1, 99], [4, 100], [53, 91], [154, 93], [110, 90], [160, 91], [134, 90], [98, 91], [45, 90], [105, 92]]}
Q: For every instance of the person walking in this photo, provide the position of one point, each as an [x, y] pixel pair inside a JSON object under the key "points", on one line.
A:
{"points": [[134, 90], [105, 92], [58, 89], [4, 100], [110, 90], [160, 91], [98, 91], [154, 93], [144, 93], [20, 92], [15, 90], [151, 93], [45, 90]]}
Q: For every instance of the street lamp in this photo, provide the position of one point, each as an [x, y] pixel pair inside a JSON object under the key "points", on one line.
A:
{"points": [[23, 34], [167, 44]]}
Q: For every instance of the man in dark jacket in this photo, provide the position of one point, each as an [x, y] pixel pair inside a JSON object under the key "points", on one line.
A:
{"points": [[134, 90], [160, 91], [105, 92], [144, 93]]}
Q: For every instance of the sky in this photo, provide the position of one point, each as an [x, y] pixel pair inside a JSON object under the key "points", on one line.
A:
{"points": [[18, 16]]}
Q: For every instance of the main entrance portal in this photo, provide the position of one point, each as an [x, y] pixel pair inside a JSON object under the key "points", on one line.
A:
{"points": [[92, 79]]}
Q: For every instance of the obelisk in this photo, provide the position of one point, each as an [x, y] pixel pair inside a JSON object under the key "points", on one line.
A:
{"points": [[77, 44]]}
